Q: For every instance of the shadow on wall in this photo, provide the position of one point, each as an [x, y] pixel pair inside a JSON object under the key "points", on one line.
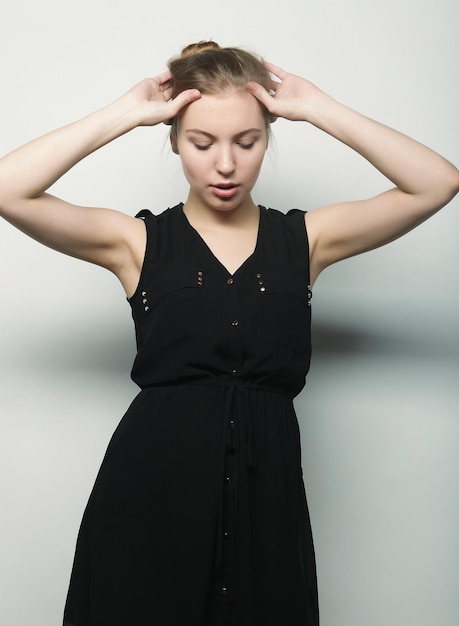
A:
{"points": [[345, 339], [342, 340], [105, 348], [110, 348]]}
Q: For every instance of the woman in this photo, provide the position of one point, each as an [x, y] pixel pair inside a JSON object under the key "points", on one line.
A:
{"points": [[198, 514]]}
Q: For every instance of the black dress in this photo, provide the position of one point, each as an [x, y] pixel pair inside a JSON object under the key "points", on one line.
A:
{"points": [[198, 516]]}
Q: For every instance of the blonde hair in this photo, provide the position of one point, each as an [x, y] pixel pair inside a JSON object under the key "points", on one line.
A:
{"points": [[212, 69]]}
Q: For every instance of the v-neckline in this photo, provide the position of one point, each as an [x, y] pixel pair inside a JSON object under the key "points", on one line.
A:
{"points": [[211, 254]]}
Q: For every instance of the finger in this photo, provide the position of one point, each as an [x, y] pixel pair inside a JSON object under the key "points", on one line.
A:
{"points": [[264, 97], [182, 100], [260, 94], [187, 96], [275, 70], [164, 77], [274, 87], [167, 93]]}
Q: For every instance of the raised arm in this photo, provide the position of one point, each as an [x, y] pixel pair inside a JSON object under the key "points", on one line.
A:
{"points": [[102, 236], [424, 181]]}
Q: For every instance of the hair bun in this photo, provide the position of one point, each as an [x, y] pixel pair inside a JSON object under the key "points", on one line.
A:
{"points": [[196, 48]]}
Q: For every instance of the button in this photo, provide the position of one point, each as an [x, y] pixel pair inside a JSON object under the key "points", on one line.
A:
{"points": [[232, 424], [226, 534], [224, 591], [230, 281], [258, 275], [262, 289], [234, 322], [234, 372], [228, 480]]}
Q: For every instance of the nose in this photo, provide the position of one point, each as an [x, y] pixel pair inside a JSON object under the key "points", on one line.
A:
{"points": [[225, 162]]}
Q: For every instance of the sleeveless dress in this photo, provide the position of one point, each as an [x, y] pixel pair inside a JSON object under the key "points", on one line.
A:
{"points": [[198, 515]]}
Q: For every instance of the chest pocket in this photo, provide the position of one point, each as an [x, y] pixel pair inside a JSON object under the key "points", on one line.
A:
{"points": [[173, 307], [282, 309]]}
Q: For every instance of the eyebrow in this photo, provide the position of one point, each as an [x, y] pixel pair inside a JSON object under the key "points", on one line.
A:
{"points": [[210, 136]]}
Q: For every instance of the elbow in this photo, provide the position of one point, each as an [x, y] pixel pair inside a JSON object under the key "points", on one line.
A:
{"points": [[452, 183], [9, 202], [447, 187], [4, 200], [455, 183], [2, 205]]}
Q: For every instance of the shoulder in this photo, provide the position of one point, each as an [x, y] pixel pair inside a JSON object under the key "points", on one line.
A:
{"points": [[290, 216], [293, 221], [160, 222], [167, 214], [285, 237]]}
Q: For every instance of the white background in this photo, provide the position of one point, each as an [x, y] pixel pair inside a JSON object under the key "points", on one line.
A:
{"points": [[380, 413]]}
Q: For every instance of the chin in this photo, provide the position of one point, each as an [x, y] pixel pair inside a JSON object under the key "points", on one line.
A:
{"points": [[220, 204], [226, 206]]}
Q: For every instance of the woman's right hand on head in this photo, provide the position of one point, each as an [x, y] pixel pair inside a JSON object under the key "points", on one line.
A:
{"points": [[153, 100]]}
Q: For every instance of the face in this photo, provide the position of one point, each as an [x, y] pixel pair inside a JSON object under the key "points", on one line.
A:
{"points": [[222, 140]]}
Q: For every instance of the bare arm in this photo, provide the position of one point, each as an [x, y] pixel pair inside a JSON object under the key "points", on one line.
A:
{"points": [[424, 181], [102, 236]]}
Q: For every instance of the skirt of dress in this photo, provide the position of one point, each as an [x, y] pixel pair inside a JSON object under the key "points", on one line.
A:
{"points": [[198, 516]]}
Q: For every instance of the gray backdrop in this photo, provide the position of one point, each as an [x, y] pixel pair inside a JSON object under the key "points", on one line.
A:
{"points": [[379, 415]]}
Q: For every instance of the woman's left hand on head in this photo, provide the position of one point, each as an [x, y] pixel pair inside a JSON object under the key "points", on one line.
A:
{"points": [[291, 96]]}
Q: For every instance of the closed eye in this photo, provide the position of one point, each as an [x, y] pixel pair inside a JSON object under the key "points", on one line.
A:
{"points": [[246, 146], [202, 147]]}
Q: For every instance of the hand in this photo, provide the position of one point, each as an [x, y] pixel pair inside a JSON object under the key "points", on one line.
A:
{"points": [[152, 99], [291, 95]]}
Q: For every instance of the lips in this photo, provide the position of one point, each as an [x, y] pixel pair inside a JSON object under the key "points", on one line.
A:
{"points": [[225, 190]]}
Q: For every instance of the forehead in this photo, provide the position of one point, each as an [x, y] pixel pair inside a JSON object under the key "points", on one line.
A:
{"points": [[233, 111]]}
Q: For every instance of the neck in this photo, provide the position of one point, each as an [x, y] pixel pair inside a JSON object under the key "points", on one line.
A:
{"points": [[244, 214]]}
